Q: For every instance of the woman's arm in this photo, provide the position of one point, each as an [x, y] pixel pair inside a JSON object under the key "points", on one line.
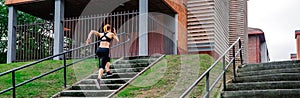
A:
{"points": [[88, 40], [115, 35]]}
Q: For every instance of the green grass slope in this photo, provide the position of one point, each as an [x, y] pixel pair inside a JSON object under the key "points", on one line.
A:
{"points": [[171, 76], [48, 85]]}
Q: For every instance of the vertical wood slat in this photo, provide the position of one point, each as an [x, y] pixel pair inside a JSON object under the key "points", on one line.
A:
{"points": [[26, 42]]}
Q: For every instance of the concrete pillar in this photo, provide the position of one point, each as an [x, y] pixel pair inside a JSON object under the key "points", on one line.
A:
{"points": [[264, 52], [143, 27], [176, 34], [12, 22], [58, 27]]}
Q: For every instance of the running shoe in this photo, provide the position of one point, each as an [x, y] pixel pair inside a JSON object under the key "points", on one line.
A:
{"points": [[97, 83]]}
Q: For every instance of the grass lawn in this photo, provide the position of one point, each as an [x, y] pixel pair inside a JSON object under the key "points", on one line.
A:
{"points": [[48, 85], [171, 76]]}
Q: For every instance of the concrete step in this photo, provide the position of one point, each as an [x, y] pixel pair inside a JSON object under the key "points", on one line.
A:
{"points": [[105, 81], [86, 93], [141, 57], [263, 85], [123, 70], [126, 70], [93, 87], [271, 71], [133, 65], [272, 65], [114, 75], [133, 61], [270, 77], [269, 93], [275, 63]]}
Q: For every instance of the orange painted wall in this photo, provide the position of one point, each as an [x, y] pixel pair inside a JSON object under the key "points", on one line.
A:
{"points": [[298, 46], [9, 2]]}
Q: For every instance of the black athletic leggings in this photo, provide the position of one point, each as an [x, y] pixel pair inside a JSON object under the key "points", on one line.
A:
{"points": [[104, 54]]}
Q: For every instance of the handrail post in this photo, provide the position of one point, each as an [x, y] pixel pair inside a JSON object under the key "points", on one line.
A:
{"points": [[241, 52], [14, 84], [207, 85], [124, 53], [65, 71], [224, 76], [233, 55]]}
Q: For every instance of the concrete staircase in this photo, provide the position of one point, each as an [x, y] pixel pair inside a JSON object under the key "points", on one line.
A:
{"points": [[266, 80], [124, 70]]}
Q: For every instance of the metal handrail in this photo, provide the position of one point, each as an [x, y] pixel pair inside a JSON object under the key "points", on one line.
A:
{"points": [[14, 85], [223, 73]]}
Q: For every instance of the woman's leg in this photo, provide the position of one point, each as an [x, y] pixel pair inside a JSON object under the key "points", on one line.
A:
{"points": [[101, 66], [107, 66], [101, 70], [100, 73]]}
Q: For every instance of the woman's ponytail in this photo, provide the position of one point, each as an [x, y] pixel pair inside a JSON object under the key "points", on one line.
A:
{"points": [[107, 28]]}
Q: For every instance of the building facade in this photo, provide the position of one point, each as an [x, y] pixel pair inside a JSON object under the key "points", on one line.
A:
{"points": [[154, 29], [208, 26], [297, 37], [257, 47], [293, 56], [238, 25], [188, 26]]}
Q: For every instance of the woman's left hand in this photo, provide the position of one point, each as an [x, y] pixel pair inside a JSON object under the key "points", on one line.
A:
{"points": [[88, 41], [114, 31]]}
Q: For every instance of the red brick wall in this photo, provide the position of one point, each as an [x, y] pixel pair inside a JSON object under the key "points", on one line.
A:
{"points": [[254, 49], [298, 46], [178, 6]]}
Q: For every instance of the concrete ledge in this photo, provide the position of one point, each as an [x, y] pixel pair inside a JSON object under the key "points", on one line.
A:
{"points": [[273, 93], [263, 85]]}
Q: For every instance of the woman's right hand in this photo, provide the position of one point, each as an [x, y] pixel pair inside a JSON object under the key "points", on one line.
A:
{"points": [[88, 41], [114, 31]]}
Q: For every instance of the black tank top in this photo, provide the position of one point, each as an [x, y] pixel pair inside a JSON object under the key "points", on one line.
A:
{"points": [[106, 38]]}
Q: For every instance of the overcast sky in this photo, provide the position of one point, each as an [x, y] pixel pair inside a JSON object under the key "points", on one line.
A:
{"points": [[278, 19]]}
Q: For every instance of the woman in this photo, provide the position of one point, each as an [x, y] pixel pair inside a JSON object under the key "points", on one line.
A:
{"points": [[103, 50]]}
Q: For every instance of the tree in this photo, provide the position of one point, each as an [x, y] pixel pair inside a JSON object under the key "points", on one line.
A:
{"points": [[22, 18]]}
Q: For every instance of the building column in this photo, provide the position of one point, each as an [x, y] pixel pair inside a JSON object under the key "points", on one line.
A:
{"points": [[143, 27], [12, 22], [176, 34], [264, 52], [58, 27]]}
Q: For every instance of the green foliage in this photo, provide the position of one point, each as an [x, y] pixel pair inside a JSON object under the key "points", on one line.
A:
{"points": [[3, 32], [23, 18]]}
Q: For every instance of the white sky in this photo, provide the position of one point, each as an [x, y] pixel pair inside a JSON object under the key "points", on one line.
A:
{"points": [[278, 19]]}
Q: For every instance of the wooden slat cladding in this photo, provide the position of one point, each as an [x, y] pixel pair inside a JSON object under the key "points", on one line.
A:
{"points": [[238, 24], [208, 26]]}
